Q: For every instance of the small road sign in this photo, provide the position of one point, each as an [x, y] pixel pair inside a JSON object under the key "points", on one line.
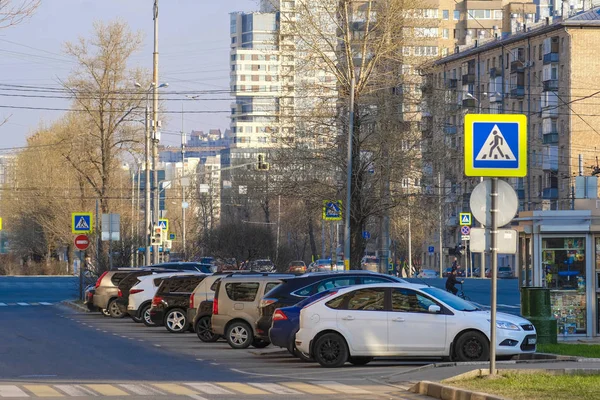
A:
{"points": [[171, 236], [465, 237], [81, 222], [82, 242], [465, 230], [496, 145], [332, 210], [366, 235], [431, 249], [465, 219], [164, 224]]}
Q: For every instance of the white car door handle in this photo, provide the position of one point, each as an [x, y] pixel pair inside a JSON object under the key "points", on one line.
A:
{"points": [[348, 318], [399, 319]]}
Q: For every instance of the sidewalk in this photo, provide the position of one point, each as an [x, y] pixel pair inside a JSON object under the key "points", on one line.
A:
{"points": [[441, 371]]}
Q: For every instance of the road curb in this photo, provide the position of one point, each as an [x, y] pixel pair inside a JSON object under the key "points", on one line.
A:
{"points": [[72, 304], [445, 392]]}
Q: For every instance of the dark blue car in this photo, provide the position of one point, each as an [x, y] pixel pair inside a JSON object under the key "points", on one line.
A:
{"points": [[286, 322]]}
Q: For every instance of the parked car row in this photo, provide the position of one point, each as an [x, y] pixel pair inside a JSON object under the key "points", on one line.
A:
{"points": [[329, 317]]}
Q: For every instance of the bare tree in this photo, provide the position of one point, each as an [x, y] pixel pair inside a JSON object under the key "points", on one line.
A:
{"points": [[14, 12], [101, 87]]}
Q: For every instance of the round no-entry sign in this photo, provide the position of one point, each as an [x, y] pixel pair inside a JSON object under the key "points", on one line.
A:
{"points": [[82, 242]]}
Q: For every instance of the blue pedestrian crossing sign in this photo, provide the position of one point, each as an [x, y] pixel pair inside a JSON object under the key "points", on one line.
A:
{"points": [[164, 224], [431, 249], [332, 210], [496, 145], [465, 219], [81, 222]]}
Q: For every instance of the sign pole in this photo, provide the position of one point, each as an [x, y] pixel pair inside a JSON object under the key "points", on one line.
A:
{"points": [[494, 266]]}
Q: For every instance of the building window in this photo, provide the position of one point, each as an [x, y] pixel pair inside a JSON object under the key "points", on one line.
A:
{"points": [[456, 15], [445, 14], [446, 33]]}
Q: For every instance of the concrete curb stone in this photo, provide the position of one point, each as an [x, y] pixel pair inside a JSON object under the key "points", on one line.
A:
{"points": [[445, 392]]}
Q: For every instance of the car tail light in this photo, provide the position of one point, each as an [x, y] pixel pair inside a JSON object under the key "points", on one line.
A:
{"points": [[192, 301], [156, 300], [279, 315], [100, 278], [134, 291], [215, 306], [119, 293], [266, 302]]}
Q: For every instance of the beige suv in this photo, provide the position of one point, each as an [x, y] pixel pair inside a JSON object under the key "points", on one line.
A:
{"points": [[235, 307]]}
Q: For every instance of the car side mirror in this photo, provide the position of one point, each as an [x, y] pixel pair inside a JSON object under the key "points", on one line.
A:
{"points": [[434, 309]]}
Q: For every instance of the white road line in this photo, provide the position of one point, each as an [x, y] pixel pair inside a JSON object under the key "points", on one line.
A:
{"points": [[11, 391], [3, 305], [76, 390], [23, 304], [142, 390], [157, 345], [340, 387], [45, 303], [208, 388], [214, 363], [274, 388]]}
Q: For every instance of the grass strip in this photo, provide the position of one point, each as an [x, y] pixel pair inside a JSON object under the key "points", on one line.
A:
{"points": [[527, 386], [571, 349]]}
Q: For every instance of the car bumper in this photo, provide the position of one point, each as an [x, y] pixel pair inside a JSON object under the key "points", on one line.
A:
{"points": [[122, 303], [157, 316], [218, 324], [303, 340], [263, 326], [191, 316], [515, 342], [281, 333]]}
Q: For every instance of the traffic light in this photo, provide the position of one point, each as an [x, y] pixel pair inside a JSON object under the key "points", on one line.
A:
{"points": [[157, 236], [261, 164]]}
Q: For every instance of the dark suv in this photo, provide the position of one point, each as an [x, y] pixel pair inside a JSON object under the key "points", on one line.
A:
{"points": [[295, 289], [170, 303]]}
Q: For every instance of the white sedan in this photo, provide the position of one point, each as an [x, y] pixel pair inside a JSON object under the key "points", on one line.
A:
{"points": [[358, 323]]}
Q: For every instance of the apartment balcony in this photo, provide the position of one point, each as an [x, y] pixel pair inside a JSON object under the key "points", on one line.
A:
{"points": [[450, 130], [551, 85], [551, 138], [518, 92], [495, 98], [550, 193], [452, 83], [550, 58], [468, 78], [517, 66], [521, 194], [469, 103], [494, 72], [550, 111], [452, 221], [550, 164]]}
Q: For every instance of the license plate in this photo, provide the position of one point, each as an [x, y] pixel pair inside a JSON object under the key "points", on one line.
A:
{"points": [[531, 341]]}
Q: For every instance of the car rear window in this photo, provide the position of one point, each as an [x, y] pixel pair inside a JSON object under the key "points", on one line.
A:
{"points": [[242, 291], [132, 279], [271, 285], [118, 277], [213, 287], [180, 284]]}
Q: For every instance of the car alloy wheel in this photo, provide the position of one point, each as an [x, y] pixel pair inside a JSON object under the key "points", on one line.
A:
{"points": [[105, 312], [146, 317], [204, 330], [239, 335], [331, 350], [176, 321], [114, 310], [472, 346]]}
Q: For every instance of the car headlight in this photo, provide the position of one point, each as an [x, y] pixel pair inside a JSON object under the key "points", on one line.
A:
{"points": [[507, 325]]}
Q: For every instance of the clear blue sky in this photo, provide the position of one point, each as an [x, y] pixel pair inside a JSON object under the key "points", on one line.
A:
{"points": [[193, 47]]}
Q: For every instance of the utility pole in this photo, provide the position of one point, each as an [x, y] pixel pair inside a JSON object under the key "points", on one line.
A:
{"points": [[131, 263], [155, 137], [183, 205], [347, 208], [409, 273], [440, 224]]}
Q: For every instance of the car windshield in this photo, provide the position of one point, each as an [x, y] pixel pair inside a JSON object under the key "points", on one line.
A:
{"points": [[453, 301]]}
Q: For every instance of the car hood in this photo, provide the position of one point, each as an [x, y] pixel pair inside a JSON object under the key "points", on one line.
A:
{"points": [[500, 316]]}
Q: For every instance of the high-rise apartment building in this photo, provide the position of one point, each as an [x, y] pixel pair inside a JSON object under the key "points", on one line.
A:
{"points": [[545, 73]]}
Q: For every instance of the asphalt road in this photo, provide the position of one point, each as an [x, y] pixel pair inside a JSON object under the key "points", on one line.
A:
{"points": [[54, 352], [38, 288]]}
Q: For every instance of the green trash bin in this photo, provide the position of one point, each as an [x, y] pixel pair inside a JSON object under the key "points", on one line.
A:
{"points": [[536, 307]]}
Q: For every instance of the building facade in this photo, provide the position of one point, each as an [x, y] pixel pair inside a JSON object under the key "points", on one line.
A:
{"points": [[544, 73]]}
